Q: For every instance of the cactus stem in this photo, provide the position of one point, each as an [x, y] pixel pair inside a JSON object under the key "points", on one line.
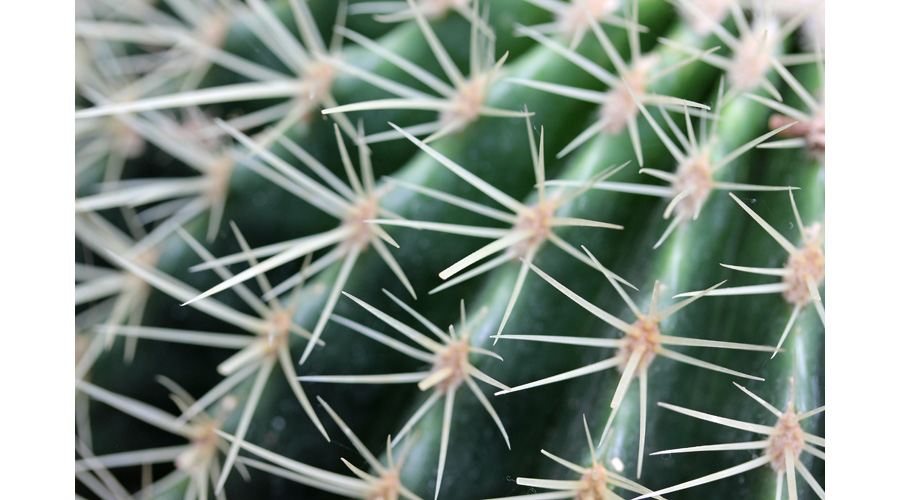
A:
{"points": [[177, 101]]}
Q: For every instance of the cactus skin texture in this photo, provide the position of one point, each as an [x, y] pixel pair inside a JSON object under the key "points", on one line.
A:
{"points": [[142, 358]]}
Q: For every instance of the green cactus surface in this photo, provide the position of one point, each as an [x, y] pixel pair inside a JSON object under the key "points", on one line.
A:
{"points": [[453, 249]]}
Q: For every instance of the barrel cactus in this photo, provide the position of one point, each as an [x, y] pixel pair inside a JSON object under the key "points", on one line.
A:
{"points": [[445, 249]]}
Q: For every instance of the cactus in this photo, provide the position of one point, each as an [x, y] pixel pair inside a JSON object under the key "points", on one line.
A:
{"points": [[309, 229]]}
